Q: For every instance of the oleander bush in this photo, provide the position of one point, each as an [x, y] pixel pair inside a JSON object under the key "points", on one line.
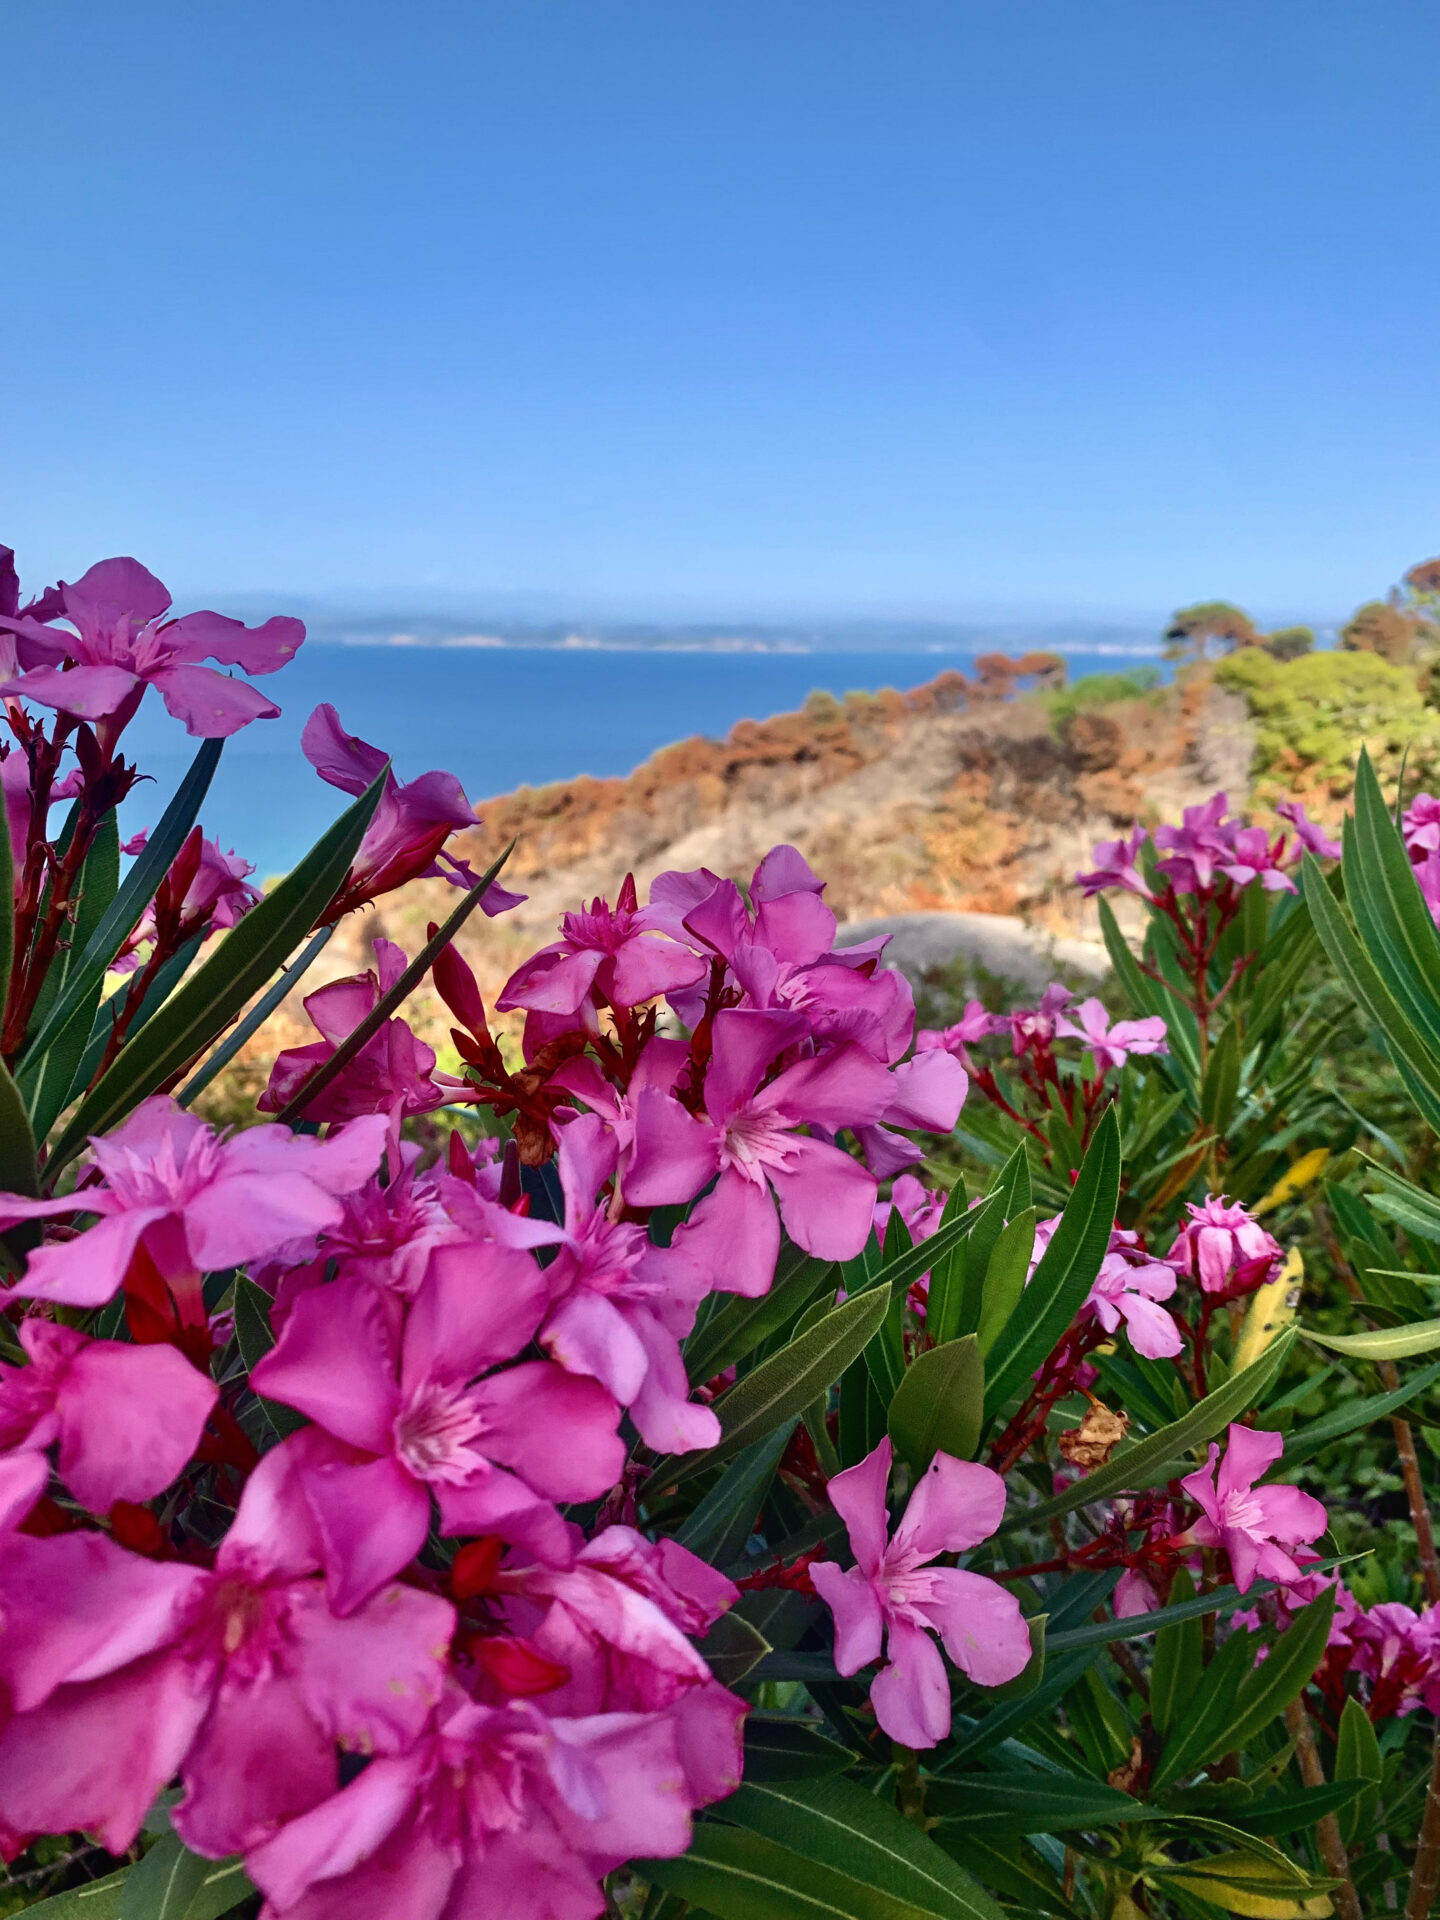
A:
{"points": [[747, 1454]]}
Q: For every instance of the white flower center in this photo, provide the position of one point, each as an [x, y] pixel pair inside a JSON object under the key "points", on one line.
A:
{"points": [[433, 1434]]}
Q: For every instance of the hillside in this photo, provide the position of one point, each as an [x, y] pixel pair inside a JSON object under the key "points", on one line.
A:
{"points": [[960, 797]]}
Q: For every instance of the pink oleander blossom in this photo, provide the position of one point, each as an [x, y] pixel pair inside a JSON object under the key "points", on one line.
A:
{"points": [[126, 1418], [406, 837], [749, 1134], [1195, 851], [975, 1024], [122, 643], [1254, 856], [1127, 1291], [620, 1307], [206, 891], [1223, 1249], [400, 1416], [198, 1201], [240, 1679], [1309, 834], [622, 953], [1253, 1524], [921, 1208], [1035, 1028], [390, 1075], [1117, 864], [1110, 1045], [895, 1597]]}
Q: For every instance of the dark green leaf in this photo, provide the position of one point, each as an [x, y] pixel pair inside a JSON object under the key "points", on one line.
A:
{"points": [[215, 993], [1359, 1766], [1266, 1691], [96, 1900], [1066, 1271], [163, 1884], [784, 1749], [1315, 1434], [254, 1338], [1390, 911], [732, 1647], [393, 997], [1203, 1725], [731, 1874], [123, 913], [1004, 1283], [1179, 1650], [940, 1404], [46, 1078], [255, 1018], [17, 1142], [1003, 1722], [724, 1520], [781, 1387], [837, 1825], [995, 1803], [1222, 1081], [742, 1323], [1133, 1469], [1295, 1812]]}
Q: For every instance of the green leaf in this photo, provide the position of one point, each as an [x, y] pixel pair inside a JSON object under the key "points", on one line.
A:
{"points": [[781, 1387], [742, 1323], [1066, 1271], [724, 1520], [1357, 970], [1179, 1651], [1382, 1343], [995, 1803], [784, 1749], [1003, 1722], [215, 993], [123, 913], [1390, 911], [1149, 998], [1315, 1434], [835, 1824], [1207, 1715], [393, 997], [729, 1874], [45, 1078], [163, 1884], [96, 1900], [1222, 1081], [862, 1415], [255, 1018], [732, 1647], [1256, 1889], [17, 1142], [1005, 1277], [1298, 1811], [1358, 1765], [254, 1337], [1012, 1867], [1133, 1469], [1268, 1689], [940, 1404], [1009, 1196]]}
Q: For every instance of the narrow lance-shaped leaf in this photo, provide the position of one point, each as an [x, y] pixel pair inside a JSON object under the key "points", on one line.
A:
{"points": [[124, 911], [215, 993], [393, 997], [255, 1018], [940, 1404], [782, 1386], [1065, 1274], [1134, 1468]]}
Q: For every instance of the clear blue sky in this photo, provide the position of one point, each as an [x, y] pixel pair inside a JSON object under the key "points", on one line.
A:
{"points": [[937, 306]]}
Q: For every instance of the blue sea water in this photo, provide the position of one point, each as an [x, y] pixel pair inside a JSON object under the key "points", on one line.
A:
{"points": [[498, 718]]}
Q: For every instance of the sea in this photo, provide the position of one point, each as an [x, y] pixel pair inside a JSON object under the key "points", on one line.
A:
{"points": [[499, 718]]}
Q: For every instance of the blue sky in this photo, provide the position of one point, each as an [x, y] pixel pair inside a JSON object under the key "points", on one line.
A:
{"points": [[654, 307]]}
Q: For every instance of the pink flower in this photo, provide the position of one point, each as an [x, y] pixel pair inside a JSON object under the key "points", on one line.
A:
{"points": [[401, 1416], [197, 1201], [1196, 849], [1223, 1249], [1127, 1289], [205, 891], [927, 1093], [408, 830], [1312, 836], [750, 1136], [1034, 1028], [617, 1314], [1117, 864], [1420, 824], [1253, 856], [1112, 1046], [622, 953], [127, 1418], [122, 1671], [893, 1594], [921, 1208], [1253, 1524], [390, 1074], [122, 644], [976, 1023]]}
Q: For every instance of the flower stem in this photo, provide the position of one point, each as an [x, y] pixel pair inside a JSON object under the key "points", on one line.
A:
{"points": [[1327, 1828]]}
